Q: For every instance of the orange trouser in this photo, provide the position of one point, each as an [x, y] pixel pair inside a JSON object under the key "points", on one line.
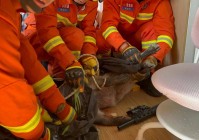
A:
{"points": [[135, 38], [73, 38], [19, 110]]}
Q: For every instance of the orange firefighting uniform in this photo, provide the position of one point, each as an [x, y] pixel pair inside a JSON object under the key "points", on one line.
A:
{"points": [[22, 76], [141, 24], [59, 35]]}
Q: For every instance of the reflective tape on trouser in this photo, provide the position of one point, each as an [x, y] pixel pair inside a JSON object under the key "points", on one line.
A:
{"points": [[29, 126]]}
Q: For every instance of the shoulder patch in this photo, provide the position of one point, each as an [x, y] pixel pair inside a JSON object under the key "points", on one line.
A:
{"points": [[64, 8]]}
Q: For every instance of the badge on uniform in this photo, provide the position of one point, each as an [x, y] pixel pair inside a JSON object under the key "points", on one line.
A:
{"points": [[128, 7], [64, 8]]}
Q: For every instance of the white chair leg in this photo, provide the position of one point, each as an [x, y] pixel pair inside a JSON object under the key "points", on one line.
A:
{"points": [[145, 127], [196, 57]]}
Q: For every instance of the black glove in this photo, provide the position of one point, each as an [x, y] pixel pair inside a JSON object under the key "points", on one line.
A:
{"points": [[151, 50], [130, 53], [118, 65], [75, 75]]}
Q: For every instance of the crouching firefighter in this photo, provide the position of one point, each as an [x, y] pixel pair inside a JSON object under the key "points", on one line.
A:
{"points": [[24, 81]]}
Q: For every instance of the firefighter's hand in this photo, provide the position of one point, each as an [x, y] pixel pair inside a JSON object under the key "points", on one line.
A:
{"points": [[66, 113], [130, 53], [89, 64], [75, 75], [150, 62]]}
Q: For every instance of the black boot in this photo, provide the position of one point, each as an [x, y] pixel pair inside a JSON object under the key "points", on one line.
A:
{"points": [[148, 87]]}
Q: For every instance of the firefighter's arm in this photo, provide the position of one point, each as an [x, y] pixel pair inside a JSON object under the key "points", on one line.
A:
{"points": [[43, 85], [163, 22], [50, 38], [89, 62], [110, 21], [87, 25]]}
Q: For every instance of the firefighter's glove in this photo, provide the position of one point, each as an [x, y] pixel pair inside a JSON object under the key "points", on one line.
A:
{"points": [[75, 75], [119, 65], [139, 76], [89, 64], [150, 62], [66, 113], [46, 117], [130, 53]]}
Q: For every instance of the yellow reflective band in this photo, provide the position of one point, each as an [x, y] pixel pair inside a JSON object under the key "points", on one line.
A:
{"points": [[53, 43], [126, 17], [76, 54], [90, 39], [65, 21], [166, 39], [87, 58], [109, 30], [70, 116], [144, 16], [81, 17], [48, 131], [95, 0], [147, 44], [29, 126], [43, 84], [73, 67], [65, 129]]}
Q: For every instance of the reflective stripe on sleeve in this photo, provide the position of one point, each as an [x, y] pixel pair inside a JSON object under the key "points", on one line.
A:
{"points": [[43, 84], [90, 39], [109, 30], [147, 44], [53, 43], [166, 39], [70, 116]]}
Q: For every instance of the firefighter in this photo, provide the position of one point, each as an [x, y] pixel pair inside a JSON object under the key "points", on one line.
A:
{"points": [[23, 78], [129, 27], [65, 29]]}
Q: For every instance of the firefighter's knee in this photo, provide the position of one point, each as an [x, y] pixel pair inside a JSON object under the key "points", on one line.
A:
{"points": [[78, 39], [73, 37]]}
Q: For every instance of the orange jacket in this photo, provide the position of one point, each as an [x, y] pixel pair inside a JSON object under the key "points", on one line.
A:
{"points": [[65, 13], [122, 16], [22, 78]]}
